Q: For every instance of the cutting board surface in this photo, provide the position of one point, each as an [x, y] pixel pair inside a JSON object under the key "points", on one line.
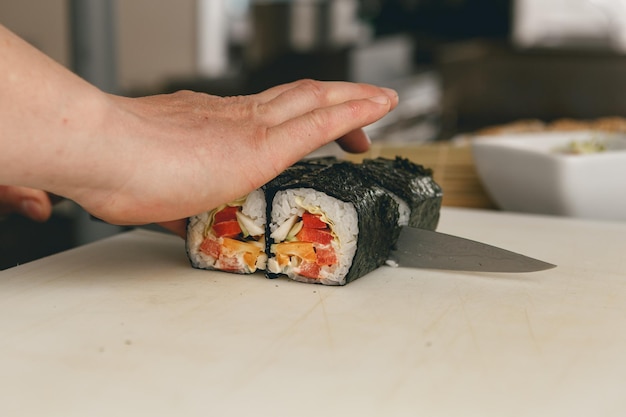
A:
{"points": [[125, 326]]}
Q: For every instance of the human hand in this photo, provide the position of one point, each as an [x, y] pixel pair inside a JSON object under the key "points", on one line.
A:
{"points": [[168, 157], [31, 203]]}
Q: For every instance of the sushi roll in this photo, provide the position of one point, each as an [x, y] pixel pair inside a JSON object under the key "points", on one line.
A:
{"points": [[230, 237], [329, 225], [411, 185], [321, 221]]}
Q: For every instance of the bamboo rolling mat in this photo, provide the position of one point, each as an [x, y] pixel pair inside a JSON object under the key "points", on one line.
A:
{"points": [[453, 169]]}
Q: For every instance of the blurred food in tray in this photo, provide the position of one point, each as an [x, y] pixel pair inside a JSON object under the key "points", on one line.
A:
{"points": [[574, 173], [604, 124]]}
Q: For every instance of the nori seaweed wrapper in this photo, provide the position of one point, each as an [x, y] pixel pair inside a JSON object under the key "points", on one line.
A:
{"points": [[298, 170], [412, 183], [377, 211]]}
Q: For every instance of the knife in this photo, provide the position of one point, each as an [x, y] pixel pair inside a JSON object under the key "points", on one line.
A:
{"points": [[421, 248]]}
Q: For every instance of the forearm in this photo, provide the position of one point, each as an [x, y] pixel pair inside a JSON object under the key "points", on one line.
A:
{"points": [[47, 117]]}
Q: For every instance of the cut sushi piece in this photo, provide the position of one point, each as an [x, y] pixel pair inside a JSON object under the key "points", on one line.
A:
{"points": [[411, 185], [329, 226], [230, 237], [308, 245]]}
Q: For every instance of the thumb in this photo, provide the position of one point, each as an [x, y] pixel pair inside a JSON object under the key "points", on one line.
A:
{"points": [[29, 202]]}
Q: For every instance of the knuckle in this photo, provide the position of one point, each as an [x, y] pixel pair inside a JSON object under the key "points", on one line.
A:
{"points": [[353, 109], [318, 119], [259, 110], [315, 89], [184, 95]]}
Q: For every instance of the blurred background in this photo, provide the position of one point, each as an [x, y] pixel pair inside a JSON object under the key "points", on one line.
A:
{"points": [[459, 66]]}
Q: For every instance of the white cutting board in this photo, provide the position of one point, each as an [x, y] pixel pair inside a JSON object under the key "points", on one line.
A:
{"points": [[125, 327]]}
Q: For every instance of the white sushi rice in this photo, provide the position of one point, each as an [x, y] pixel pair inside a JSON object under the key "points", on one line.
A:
{"points": [[343, 217], [195, 236], [254, 207], [404, 211]]}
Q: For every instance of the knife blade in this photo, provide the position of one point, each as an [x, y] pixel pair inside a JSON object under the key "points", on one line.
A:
{"points": [[421, 248]]}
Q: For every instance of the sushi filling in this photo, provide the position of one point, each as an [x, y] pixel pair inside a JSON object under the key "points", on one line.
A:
{"points": [[233, 238], [309, 245]]}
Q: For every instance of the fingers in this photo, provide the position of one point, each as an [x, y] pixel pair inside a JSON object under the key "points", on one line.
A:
{"points": [[31, 203], [301, 135], [178, 227], [295, 99], [273, 92], [355, 141]]}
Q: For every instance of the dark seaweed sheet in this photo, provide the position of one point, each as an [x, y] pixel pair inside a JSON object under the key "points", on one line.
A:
{"points": [[377, 211], [298, 170], [412, 183]]}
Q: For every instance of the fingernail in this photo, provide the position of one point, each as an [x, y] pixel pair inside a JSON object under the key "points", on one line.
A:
{"points": [[390, 92], [32, 209], [380, 99]]}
